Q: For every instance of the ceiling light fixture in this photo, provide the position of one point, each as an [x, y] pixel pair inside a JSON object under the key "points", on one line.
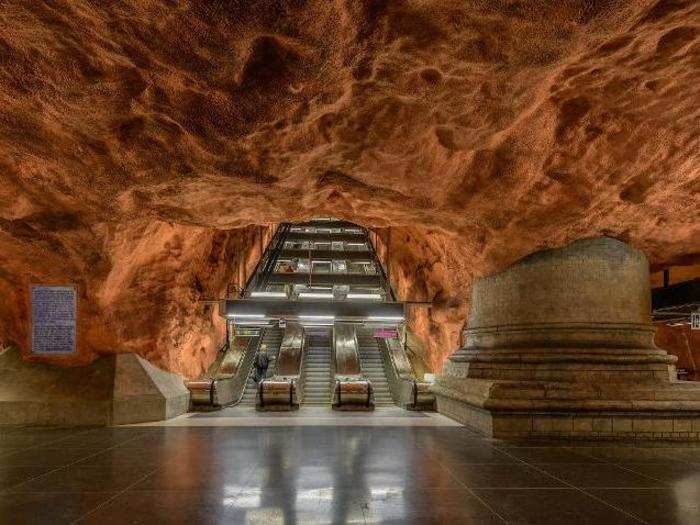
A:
{"points": [[315, 295], [355, 295], [268, 294]]}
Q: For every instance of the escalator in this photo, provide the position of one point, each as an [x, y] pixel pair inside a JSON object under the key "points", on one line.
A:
{"points": [[222, 384], [352, 390], [316, 368], [322, 280], [373, 367], [273, 339], [279, 391]]}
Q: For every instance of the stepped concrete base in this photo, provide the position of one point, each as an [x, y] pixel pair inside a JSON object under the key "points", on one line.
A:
{"points": [[561, 345], [114, 390], [513, 410]]}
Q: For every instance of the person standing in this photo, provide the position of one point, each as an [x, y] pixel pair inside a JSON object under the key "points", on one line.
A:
{"points": [[262, 361]]}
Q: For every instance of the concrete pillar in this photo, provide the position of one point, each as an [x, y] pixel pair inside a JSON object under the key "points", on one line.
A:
{"points": [[561, 344]]}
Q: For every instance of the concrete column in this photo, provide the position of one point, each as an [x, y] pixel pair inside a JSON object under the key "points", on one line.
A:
{"points": [[561, 344]]}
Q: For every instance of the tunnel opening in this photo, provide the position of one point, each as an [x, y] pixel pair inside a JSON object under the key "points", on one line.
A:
{"points": [[318, 323]]}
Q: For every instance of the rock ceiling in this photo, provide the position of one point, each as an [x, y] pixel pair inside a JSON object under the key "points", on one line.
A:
{"points": [[143, 143]]}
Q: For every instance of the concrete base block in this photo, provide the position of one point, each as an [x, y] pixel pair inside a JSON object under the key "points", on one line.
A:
{"points": [[561, 345], [144, 392], [117, 389], [574, 423]]}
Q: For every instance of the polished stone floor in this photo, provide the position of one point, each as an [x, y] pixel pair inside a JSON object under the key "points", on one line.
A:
{"points": [[336, 474]]}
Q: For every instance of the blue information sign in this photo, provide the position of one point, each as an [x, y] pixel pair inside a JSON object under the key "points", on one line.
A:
{"points": [[54, 314]]}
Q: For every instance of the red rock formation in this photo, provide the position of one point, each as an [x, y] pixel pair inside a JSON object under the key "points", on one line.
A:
{"points": [[136, 136]]}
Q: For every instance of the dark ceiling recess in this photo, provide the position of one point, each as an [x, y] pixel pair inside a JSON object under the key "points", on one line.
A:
{"points": [[674, 303]]}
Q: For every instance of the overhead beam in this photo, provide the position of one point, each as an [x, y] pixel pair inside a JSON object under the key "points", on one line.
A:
{"points": [[324, 279], [328, 255], [273, 308]]}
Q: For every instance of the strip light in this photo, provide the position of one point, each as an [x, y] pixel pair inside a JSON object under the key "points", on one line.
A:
{"points": [[315, 323], [374, 296], [385, 318], [315, 295], [247, 316], [317, 317], [268, 294]]}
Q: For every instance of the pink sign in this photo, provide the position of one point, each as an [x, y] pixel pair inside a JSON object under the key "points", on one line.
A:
{"points": [[386, 333]]}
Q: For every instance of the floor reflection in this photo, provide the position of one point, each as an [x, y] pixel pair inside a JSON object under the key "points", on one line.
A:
{"points": [[290, 475]]}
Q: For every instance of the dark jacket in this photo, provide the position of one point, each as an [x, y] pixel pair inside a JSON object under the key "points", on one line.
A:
{"points": [[262, 361]]}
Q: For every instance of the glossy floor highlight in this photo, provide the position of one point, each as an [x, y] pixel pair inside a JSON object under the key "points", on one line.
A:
{"points": [[343, 474]]}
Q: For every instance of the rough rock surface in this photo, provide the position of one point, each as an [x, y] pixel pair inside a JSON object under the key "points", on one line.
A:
{"points": [[141, 142]]}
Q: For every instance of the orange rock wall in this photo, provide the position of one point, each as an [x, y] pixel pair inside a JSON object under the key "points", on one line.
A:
{"points": [[138, 137], [425, 266], [142, 293]]}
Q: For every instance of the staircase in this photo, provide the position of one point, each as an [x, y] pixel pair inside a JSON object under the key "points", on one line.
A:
{"points": [[273, 339], [373, 367], [316, 367]]}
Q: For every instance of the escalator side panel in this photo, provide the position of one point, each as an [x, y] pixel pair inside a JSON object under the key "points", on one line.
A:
{"points": [[224, 383], [351, 391], [347, 362], [289, 358], [280, 391]]}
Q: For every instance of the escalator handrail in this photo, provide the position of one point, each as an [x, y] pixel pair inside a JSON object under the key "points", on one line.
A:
{"points": [[411, 370], [273, 254], [250, 368], [394, 383]]}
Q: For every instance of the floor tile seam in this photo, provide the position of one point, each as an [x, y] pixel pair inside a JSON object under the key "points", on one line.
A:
{"points": [[473, 494], [588, 494], [251, 471], [42, 445], [602, 460], [48, 473], [505, 450], [622, 467], [582, 487], [665, 484], [666, 456], [113, 497], [467, 463], [522, 488], [42, 492], [590, 464]]}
